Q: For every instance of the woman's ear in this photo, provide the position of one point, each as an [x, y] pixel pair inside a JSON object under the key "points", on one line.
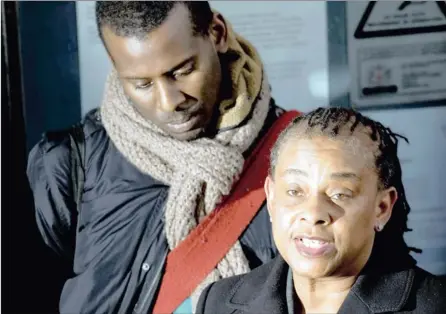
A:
{"points": [[384, 206], [219, 33], [269, 191]]}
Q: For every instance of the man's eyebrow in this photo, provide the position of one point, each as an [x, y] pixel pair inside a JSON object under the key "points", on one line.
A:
{"points": [[345, 175], [180, 65], [134, 78], [173, 69]]}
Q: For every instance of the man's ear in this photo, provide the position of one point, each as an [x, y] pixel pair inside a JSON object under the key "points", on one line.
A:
{"points": [[269, 191], [219, 33], [384, 206]]}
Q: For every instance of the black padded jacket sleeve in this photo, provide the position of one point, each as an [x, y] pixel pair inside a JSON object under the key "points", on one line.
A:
{"points": [[48, 173]]}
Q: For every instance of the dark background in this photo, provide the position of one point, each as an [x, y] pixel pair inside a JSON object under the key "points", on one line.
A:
{"points": [[40, 91]]}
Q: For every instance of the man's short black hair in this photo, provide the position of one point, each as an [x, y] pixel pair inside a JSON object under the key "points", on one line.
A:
{"points": [[138, 18]]}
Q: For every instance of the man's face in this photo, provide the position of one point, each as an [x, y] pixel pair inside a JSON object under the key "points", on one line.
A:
{"points": [[324, 203], [172, 76]]}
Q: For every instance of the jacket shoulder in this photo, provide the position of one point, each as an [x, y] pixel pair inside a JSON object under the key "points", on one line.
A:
{"points": [[429, 291], [59, 139], [51, 155], [428, 281]]}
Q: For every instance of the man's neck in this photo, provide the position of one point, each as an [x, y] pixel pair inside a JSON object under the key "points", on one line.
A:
{"points": [[322, 295]]}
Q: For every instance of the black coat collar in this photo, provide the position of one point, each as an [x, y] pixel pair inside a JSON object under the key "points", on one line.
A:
{"points": [[264, 291]]}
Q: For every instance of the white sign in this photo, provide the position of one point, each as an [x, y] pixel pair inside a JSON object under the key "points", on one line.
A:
{"points": [[396, 51], [291, 38]]}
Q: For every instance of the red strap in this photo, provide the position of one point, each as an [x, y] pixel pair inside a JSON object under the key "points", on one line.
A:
{"points": [[189, 263]]}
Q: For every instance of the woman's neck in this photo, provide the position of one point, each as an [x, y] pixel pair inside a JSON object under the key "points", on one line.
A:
{"points": [[322, 295]]}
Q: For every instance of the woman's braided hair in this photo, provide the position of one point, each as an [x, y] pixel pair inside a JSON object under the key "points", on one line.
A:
{"points": [[389, 243]]}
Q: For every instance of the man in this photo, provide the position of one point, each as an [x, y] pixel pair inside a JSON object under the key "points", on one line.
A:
{"points": [[185, 105]]}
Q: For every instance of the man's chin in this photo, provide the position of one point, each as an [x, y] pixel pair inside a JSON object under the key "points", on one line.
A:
{"points": [[188, 136]]}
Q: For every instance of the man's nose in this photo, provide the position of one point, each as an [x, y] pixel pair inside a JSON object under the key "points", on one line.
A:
{"points": [[169, 95], [316, 211]]}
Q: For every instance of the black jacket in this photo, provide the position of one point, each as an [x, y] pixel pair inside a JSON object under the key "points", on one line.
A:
{"points": [[264, 290], [120, 246]]}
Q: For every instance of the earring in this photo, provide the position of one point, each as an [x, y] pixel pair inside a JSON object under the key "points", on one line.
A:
{"points": [[270, 219], [378, 228]]}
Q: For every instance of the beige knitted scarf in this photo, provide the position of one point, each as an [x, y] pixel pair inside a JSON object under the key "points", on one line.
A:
{"points": [[199, 172]]}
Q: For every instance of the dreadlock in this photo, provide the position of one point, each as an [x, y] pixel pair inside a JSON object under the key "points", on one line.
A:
{"points": [[390, 242]]}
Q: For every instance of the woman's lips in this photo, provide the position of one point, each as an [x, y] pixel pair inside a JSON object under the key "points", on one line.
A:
{"points": [[313, 247]]}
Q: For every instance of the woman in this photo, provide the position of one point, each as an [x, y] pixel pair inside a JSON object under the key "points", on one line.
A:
{"points": [[338, 212]]}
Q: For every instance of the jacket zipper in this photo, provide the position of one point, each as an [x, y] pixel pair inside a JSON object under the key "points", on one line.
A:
{"points": [[156, 281]]}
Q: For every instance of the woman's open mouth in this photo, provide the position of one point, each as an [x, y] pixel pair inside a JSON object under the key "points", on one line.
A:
{"points": [[313, 247]]}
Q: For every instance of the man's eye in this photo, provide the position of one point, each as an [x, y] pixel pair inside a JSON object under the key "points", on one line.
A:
{"points": [[144, 86], [184, 71]]}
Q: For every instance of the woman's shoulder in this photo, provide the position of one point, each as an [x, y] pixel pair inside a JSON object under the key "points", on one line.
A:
{"points": [[430, 291], [428, 282]]}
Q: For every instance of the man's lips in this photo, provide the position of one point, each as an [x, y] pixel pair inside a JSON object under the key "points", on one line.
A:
{"points": [[185, 125], [178, 118]]}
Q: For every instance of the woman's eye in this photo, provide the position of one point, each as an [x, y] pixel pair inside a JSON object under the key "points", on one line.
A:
{"points": [[340, 196], [295, 193]]}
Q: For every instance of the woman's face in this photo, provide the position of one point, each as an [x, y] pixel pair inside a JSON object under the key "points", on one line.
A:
{"points": [[324, 202]]}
